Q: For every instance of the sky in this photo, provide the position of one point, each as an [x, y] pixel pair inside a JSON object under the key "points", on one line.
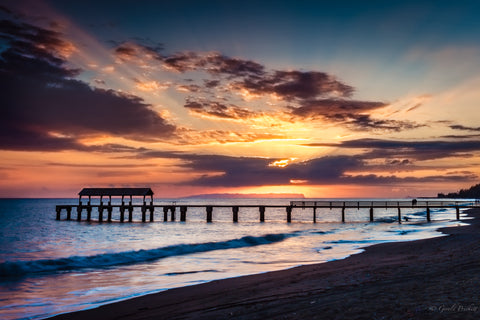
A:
{"points": [[321, 98]]}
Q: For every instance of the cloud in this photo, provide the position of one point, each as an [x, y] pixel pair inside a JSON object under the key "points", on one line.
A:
{"points": [[417, 150], [218, 110], [295, 85], [228, 171], [43, 103], [464, 128], [331, 108]]}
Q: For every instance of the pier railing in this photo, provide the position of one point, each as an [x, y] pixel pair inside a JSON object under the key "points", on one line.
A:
{"points": [[84, 212]]}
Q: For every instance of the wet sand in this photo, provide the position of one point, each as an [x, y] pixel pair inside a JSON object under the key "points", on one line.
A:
{"points": [[435, 278]]}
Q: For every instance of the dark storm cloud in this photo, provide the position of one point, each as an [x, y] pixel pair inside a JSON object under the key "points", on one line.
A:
{"points": [[418, 150], [43, 105]]}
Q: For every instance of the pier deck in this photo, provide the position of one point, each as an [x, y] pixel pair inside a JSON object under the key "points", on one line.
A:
{"points": [[150, 208]]}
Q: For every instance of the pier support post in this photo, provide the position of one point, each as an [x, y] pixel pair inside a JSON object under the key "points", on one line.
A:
{"points": [[69, 213], [109, 210], [209, 213], [458, 212], [289, 214], [314, 214], [130, 212], [428, 214], [183, 213], [235, 213], [89, 212], [165, 214], [371, 214], [172, 211], [343, 214], [79, 212], [122, 212], [144, 212], [151, 208], [262, 213], [58, 212], [399, 214], [100, 212]]}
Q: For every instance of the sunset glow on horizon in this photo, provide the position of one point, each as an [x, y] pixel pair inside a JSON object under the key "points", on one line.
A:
{"points": [[349, 99]]}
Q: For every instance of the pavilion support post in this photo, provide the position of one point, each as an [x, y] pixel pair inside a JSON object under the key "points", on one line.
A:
{"points": [[262, 213], [289, 213], [371, 214], [183, 213], [89, 212], [235, 213], [458, 212], [428, 214], [209, 213]]}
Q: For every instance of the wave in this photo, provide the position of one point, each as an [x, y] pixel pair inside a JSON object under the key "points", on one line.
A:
{"points": [[23, 268]]}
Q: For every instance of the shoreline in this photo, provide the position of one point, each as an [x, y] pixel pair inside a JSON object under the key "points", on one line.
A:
{"points": [[435, 278]]}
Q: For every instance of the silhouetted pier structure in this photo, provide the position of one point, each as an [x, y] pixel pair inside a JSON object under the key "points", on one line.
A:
{"points": [[150, 207]]}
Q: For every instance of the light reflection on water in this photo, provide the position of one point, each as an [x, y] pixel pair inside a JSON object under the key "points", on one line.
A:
{"points": [[31, 233]]}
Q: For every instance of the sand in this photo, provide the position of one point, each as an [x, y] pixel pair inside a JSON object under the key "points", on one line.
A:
{"points": [[435, 278]]}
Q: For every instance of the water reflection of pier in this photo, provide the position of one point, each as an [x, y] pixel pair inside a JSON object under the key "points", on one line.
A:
{"points": [[169, 210]]}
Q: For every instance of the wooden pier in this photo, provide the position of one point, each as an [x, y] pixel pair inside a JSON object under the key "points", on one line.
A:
{"points": [[150, 208]]}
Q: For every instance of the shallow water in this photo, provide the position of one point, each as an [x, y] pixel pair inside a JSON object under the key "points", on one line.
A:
{"points": [[49, 267]]}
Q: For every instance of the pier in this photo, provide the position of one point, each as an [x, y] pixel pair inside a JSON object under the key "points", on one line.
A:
{"points": [[148, 209]]}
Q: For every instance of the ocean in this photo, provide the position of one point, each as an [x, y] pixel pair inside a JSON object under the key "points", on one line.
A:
{"points": [[49, 267]]}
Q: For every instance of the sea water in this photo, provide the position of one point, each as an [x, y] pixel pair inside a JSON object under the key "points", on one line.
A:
{"points": [[49, 267]]}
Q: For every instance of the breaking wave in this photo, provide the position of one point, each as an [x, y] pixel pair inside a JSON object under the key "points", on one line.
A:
{"points": [[23, 268]]}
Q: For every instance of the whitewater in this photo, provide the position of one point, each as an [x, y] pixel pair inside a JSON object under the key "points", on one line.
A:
{"points": [[49, 267]]}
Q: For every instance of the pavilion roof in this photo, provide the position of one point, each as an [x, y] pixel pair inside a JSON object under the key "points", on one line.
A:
{"points": [[116, 192]]}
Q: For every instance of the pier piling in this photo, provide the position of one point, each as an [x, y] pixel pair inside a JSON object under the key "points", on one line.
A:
{"points": [[289, 214], [399, 214], [371, 214], [235, 213], [183, 213], [209, 213], [172, 209], [314, 214], [152, 209], [262, 213], [130, 212], [457, 209], [428, 214], [165, 214], [122, 212]]}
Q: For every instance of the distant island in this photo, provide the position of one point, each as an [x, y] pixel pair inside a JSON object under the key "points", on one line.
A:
{"points": [[472, 192], [246, 195]]}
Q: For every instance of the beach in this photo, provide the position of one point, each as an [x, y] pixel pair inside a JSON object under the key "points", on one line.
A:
{"points": [[425, 279]]}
